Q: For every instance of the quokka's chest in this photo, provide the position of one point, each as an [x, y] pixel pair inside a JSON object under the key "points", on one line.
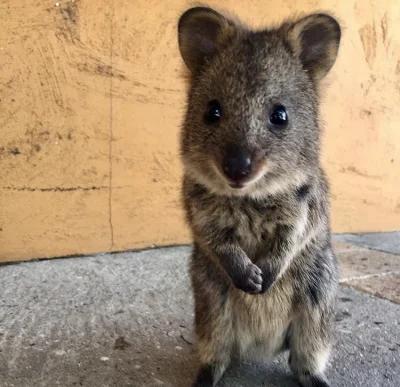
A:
{"points": [[253, 228], [254, 232]]}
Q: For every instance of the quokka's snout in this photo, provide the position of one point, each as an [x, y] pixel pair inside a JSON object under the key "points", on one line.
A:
{"points": [[239, 165]]}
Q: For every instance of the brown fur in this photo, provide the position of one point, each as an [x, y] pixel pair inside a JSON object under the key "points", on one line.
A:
{"points": [[263, 272]]}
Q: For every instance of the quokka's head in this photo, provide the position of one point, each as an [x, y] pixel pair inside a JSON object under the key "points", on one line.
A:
{"points": [[251, 124]]}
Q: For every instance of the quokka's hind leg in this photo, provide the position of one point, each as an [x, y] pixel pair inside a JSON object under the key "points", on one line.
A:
{"points": [[310, 343], [209, 374], [214, 331], [214, 334]]}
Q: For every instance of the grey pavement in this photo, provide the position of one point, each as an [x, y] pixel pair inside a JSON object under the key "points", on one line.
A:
{"points": [[382, 241], [126, 320]]}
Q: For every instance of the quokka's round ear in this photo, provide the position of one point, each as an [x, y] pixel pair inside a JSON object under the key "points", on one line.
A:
{"points": [[315, 40], [201, 33]]}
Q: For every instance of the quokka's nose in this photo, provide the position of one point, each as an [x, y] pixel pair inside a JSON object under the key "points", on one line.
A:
{"points": [[237, 163]]}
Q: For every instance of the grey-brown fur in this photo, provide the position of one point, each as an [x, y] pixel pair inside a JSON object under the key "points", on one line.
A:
{"points": [[263, 272]]}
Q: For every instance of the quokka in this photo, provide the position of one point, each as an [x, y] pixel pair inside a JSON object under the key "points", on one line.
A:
{"points": [[263, 271]]}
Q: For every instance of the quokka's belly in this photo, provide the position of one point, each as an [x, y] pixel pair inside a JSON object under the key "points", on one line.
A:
{"points": [[261, 322]]}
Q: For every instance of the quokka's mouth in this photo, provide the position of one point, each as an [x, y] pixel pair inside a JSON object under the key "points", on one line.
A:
{"points": [[237, 185], [242, 186]]}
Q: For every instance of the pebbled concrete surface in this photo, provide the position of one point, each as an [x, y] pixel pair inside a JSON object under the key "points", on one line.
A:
{"points": [[126, 319], [372, 271]]}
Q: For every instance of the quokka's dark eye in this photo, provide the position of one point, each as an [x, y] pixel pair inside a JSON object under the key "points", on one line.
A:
{"points": [[278, 117], [213, 113]]}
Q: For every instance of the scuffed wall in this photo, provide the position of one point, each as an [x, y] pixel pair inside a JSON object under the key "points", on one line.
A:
{"points": [[92, 97]]}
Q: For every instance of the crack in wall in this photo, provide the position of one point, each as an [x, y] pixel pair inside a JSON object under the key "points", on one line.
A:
{"points": [[54, 189], [111, 128]]}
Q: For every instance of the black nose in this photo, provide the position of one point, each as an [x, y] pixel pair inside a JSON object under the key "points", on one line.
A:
{"points": [[237, 163]]}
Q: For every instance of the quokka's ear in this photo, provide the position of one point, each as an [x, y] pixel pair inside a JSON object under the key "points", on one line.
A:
{"points": [[315, 40], [201, 33]]}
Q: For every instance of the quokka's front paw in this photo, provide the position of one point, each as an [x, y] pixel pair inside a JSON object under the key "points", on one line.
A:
{"points": [[249, 279], [268, 277]]}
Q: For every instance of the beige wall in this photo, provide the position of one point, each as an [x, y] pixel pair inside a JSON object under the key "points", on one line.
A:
{"points": [[92, 96]]}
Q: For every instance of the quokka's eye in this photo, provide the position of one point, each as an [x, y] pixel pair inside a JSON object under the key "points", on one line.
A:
{"points": [[213, 113], [278, 117]]}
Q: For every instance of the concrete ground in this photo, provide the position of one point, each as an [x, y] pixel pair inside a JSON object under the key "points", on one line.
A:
{"points": [[126, 320]]}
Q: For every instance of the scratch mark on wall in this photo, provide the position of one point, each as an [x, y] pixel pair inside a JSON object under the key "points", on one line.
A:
{"points": [[355, 171], [96, 67], [384, 27], [371, 83], [51, 73], [368, 38]]}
